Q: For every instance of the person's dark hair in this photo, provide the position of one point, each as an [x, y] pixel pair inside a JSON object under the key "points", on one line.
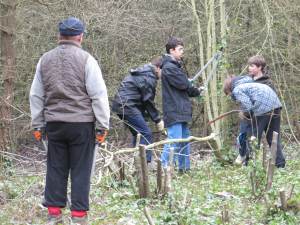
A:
{"points": [[157, 61], [227, 84], [172, 43], [258, 61]]}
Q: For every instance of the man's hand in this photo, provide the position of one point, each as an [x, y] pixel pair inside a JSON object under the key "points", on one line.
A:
{"points": [[160, 125], [101, 135], [202, 90], [37, 133]]}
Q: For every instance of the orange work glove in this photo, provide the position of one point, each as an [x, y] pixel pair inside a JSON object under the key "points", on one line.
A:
{"points": [[37, 133], [101, 135]]}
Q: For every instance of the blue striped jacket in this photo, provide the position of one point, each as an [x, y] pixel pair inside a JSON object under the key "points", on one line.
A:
{"points": [[254, 97]]}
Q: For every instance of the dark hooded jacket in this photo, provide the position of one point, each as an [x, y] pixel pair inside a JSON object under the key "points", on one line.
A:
{"points": [[136, 93], [176, 90], [265, 79]]}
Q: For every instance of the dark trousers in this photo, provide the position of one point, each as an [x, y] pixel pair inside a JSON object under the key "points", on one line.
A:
{"points": [[137, 124], [268, 123], [70, 150]]}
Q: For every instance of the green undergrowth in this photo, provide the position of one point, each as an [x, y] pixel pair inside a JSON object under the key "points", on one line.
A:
{"points": [[198, 197]]}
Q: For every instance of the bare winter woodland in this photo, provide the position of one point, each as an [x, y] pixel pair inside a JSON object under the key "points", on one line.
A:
{"points": [[124, 34]]}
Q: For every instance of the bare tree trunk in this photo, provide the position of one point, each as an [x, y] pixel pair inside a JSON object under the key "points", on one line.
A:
{"points": [[8, 65], [211, 98], [224, 106]]}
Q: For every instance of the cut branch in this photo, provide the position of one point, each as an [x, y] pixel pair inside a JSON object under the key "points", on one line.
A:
{"points": [[168, 141]]}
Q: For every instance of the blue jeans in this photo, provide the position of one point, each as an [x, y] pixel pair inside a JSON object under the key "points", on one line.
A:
{"points": [[181, 150], [137, 124], [242, 139]]}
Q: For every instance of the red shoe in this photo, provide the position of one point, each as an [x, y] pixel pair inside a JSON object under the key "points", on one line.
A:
{"points": [[79, 218]]}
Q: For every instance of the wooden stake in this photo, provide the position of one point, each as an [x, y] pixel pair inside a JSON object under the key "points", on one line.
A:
{"points": [[130, 179], [283, 199], [144, 168], [139, 175], [271, 165], [290, 191], [168, 172], [253, 183], [121, 170], [167, 181], [148, 216], [225, 214], [267, 204], [265, 150], [159, 177], [138, 140]]}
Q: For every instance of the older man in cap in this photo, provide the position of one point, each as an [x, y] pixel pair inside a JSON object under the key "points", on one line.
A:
{"points": [[68, 95]]}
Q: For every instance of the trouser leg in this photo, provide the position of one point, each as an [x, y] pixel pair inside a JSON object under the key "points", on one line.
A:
{"points": [[245, 127], [270, 123], [137, 124], [70, 147], [274, 125], [174, 131], [185, 148], [259, 124], [57, 166], [81, 148]]}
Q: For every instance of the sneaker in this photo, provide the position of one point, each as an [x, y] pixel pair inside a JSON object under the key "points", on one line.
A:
{"points": [[188, 171], [54, 219], [280, 166], [79, 220], [240, 160], [181, 171]]}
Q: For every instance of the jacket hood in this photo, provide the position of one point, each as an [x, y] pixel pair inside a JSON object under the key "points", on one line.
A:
{"points": [[240, 80], [145, 70], [167, 58]]}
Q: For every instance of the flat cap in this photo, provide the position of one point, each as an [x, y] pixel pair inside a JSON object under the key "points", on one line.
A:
{"points": [[71, 27]]}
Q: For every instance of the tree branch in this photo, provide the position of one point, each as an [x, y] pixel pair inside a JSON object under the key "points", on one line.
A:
{"points": [[168, 141]]}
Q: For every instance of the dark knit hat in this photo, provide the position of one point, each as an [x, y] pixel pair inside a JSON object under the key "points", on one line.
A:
{"points": [[71, 27]]}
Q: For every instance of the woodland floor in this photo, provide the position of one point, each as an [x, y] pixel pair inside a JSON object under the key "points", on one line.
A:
{"points": [[198, 197]]}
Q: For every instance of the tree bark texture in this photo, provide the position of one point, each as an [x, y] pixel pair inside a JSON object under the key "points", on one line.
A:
{"points": [[8, 67]]}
